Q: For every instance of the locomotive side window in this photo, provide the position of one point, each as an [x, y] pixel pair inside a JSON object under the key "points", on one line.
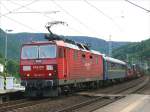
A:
{"points": [[66, 52], [75, 54], [60, 53], [96, 58]]}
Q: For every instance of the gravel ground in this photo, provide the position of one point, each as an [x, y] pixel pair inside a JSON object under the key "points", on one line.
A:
{"points": [[54, 105], [145, 90], [64, 101]]}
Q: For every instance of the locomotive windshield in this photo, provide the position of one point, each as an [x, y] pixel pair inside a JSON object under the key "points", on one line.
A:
{"points": [[40, 51], [29, 52], [47, 51]]}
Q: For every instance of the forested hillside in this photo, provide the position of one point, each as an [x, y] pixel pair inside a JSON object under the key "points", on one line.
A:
{"points": [[134, 51]]}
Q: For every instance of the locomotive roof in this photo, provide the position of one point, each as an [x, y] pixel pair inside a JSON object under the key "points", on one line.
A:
{"points": [[113, 60], [69, 45], [65, 44]]}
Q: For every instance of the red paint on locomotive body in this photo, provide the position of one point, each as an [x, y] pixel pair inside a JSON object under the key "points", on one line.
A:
{"points": [[70, 63], [82, 67], [38, 70]]}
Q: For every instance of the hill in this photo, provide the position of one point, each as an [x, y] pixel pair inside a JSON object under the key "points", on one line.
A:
{"points": [[96, 43], [139, 51], [16, 40]]}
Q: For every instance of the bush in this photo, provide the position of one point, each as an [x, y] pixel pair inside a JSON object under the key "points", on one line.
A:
{"points": [[13, 68]]}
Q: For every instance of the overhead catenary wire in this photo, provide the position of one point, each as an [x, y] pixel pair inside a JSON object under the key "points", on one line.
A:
{"points": [[45, 15], [75, 18], [22, 6], [31, 11], [5, 7], [137, 6], [41, 13], [104, 14], [45, 12], [20, 23]]}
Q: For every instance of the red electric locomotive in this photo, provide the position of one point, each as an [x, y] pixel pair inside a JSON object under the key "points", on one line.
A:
{"points": [[48, 67]]}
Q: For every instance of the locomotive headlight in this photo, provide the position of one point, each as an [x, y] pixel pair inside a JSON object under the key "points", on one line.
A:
{"points": [[26, 68], [49, 74], [49, 67]]}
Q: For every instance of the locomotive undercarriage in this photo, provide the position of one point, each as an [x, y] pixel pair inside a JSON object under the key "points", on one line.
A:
{"points": [[48, 88], [42, 92]]}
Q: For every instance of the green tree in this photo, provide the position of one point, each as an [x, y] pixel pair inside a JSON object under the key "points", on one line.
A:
{"points": [[1, 55], [13, 68]]}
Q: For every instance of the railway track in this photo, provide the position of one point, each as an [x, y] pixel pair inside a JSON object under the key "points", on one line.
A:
{"points": [[9, 106], [12, 102], [68, 104], [98, 102]]}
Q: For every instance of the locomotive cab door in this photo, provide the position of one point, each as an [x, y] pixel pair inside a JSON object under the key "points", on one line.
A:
{"points": [[63, 62]]}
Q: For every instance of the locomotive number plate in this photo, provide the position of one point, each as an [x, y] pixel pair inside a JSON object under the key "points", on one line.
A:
{"points": [[38, 67]]}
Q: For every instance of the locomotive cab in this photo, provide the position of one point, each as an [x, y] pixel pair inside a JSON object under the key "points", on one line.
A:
{"points": [[38, 68]]}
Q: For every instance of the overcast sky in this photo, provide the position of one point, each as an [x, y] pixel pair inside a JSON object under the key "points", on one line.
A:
{"points": [[96, 18]]}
